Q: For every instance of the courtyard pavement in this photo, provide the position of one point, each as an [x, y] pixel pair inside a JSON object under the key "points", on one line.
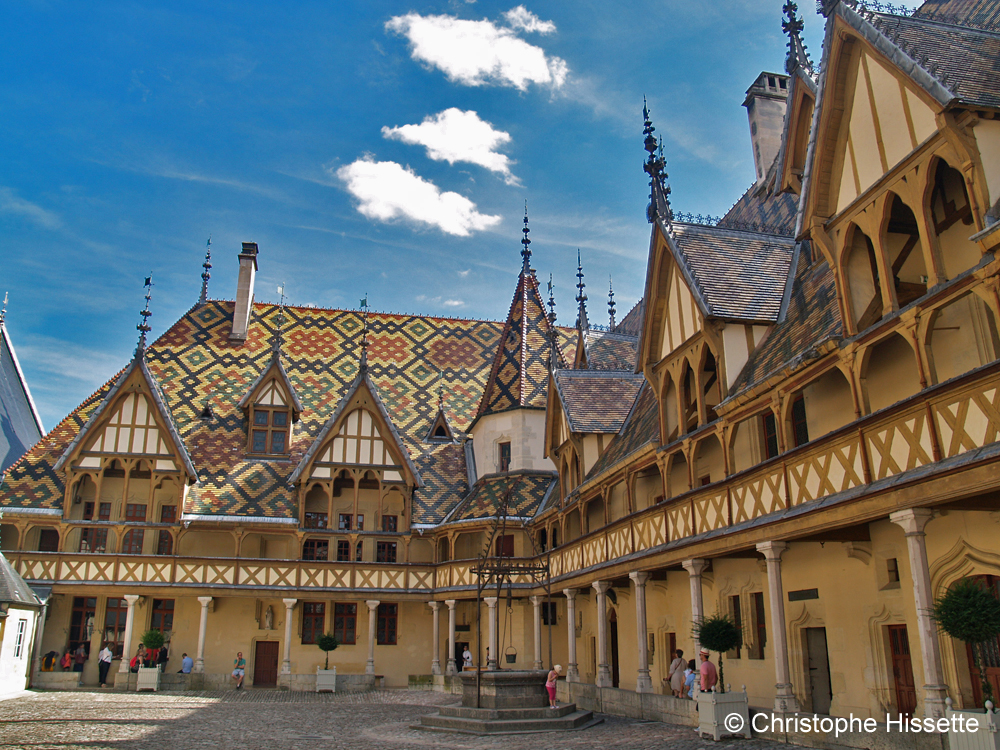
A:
{"points": [[276, 720]]}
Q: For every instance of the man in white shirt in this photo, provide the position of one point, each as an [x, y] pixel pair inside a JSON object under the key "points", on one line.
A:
{"points": [[466, 658], [104, 664], [187, 664]]}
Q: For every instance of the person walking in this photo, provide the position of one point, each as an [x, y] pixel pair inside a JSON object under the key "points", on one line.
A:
{"points": [[104, 664], [675, 674], [550, 684], [239, 669], [709, 675]]}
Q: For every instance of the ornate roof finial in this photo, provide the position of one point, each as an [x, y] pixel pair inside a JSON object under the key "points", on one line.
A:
{"points": [[553, 333], [611, 302], [552, 303], [364, 334], [581, 297], [3, 310], [143, 328], [525, 252], [654, 167], [792, 25], [278, 333], [440, 389], [207, 273]]}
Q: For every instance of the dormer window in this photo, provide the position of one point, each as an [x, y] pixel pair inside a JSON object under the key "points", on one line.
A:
{"points": [[269, 430], [272, 407]]}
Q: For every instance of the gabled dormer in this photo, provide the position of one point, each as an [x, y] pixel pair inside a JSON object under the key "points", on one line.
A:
{"points": [[440, 431], [272, 407]]}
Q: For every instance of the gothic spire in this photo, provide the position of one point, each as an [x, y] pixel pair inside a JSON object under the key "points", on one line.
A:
{"points": [[553, 334], [792, 25], [207, 273], [143, 328], [659, 191], [581, 297], [611, 303], [279, 332], [525, 251], [552, 303]]}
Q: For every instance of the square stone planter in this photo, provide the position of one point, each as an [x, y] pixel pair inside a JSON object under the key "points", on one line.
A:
{"points": [[723, 714], [986, 737], [148, 678], [326, 680]]}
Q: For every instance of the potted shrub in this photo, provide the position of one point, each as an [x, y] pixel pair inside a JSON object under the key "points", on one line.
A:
{"points": [[970, 612], [326, 678], [149, 677], [719, 633]]}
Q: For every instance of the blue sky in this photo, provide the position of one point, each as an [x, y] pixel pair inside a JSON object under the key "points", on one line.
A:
{"points": [[383, 148]]}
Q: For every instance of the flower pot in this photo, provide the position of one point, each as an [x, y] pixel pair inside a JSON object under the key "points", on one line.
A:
{"points": [[326, 680], [148, 678], [986, 737], [723, 714]]}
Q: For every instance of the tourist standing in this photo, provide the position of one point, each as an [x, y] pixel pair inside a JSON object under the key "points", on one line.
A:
{"points": [[239, 669], [675, 674], [707, 671], [104, 664], [79, 658], [466, 659], [550, 684]]}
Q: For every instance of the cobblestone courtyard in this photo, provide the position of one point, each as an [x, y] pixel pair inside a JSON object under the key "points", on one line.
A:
{"points": [[272, 719]]}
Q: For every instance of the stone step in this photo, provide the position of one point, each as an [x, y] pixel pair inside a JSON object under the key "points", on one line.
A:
{"points": [[574, 721], [507, 714]]}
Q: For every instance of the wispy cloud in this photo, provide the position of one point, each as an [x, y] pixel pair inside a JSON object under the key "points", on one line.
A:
{"points": [[11, 203], [523, 19], [387, 191], [440, 300], [454, 135], [479, 53], [465, 273]]}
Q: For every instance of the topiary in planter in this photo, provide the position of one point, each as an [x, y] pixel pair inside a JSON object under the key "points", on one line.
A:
{"points": [[327, 643], [718, 633], [969, 612], [152, 639]]}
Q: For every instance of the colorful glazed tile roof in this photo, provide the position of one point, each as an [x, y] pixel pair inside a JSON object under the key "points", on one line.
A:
{"points": [[756, 211], [520, 372], [610, 351], [595, 400], [975, 13], [528, 488], [641, 428]]}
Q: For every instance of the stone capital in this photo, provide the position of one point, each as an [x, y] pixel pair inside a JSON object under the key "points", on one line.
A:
{"points": [[772, 550], [570, 594], [491, 601], [912, 520], [289, 603], [205, 600], [434, 605], [372, 604], [601, 587], [451, 603], [132, 599], [639, 578], [695, 567], [536, 601]]}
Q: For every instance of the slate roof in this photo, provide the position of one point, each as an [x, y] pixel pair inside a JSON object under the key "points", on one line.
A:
{"points": [[739, 275], [756, 211], [813, 316], [975, 13], [631, 324], [20, 425], [595, 400], [13, 589], [641, 428], [610, 351], [530, 488]]}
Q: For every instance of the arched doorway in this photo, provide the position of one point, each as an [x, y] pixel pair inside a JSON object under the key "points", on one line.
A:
{"points": [[613, 634]]}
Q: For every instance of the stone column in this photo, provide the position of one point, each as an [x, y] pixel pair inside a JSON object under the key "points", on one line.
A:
{"points": [[36, 660], [536, 602], [372, 610], [286, 663], [199, 662], [436, 652], [695, 568], [572, 673], [643, 683], [784, 699], [603, 671], [451, 669], [913, 522], [130, 599], [491, 603]]}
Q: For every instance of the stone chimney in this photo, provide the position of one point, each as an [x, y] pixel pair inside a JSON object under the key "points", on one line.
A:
{"points": [[244, 292], [765, 104]]}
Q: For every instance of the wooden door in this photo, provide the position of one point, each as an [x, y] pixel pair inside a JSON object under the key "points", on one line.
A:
{"points": [[819, 670], [265, 664], [902, 670], [614, 648]]}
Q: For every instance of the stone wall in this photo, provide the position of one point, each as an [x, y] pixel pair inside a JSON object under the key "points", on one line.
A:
{"points": [[346, 683], [57, 680]]}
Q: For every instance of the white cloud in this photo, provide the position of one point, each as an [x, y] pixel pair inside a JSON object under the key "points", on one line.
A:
{"points": [[10, 203], [522, 18], [439, 300], [465, 273], [454, 135], [477, 53], [386, 191], [453, 303]]}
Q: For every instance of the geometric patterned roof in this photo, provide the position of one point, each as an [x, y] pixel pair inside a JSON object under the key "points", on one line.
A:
{"points": [[528, 490], [596, 401], [609, 351], [757, 211]]}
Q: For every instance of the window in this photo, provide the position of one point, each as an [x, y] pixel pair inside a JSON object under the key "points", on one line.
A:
{"points": [[892, 565], [164, 543], [93, 540], [313, 621], [315, 520], [48, 540], [542, 539], [359, 555], [736, 615], [22, 626], [770, 436], [163, 615], [361, 522], [759, 627], [316, 549], [115, 615], [549, 613], [135, 513], [800, 430], [81, 620], [385, 552], [132, 542], [344, 524], [505, 546], [345, 620], [555, 537], [390, 523], [386, 631], [504, 456], [343, 551], [269, 434], [168, 514]]}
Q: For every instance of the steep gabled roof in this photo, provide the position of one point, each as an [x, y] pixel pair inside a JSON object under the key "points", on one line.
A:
{"points": [[21, 425], [640, 429], [977, 14], [631, 324], [13, 589], [596, 401], [529, 491], [278, 370], [759, 211], [609, 351]]}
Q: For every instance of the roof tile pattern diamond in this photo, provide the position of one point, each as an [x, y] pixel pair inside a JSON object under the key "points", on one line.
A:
{"points": [[596, 401], [528, 489]]}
